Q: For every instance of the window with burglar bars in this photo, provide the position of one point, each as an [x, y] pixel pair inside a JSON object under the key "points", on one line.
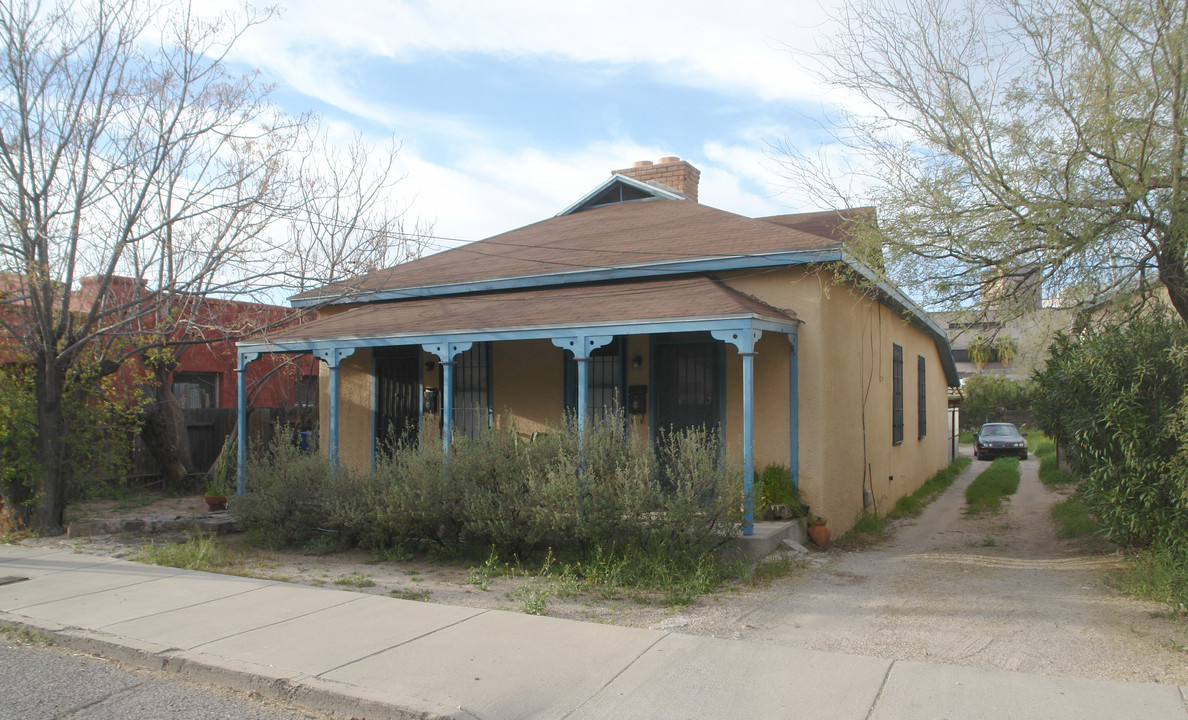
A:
{"points": [[472, 390], [606, 382], [897, 395], [921, 398]]}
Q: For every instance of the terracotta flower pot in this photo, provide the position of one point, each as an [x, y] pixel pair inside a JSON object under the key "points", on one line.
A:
{"points": [[819, 531], [216, 502]]}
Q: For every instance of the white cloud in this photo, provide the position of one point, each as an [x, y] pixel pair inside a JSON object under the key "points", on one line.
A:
{"points": [[736, 47]]}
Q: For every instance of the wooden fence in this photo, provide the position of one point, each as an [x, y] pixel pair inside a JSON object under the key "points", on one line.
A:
{"points": [[208, 429]]}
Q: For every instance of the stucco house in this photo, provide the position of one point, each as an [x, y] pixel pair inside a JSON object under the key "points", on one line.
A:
{"points": [[681, 313]]}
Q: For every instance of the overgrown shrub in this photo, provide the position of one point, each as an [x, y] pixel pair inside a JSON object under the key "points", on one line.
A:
{"points": [[501, 490], [288, 493], [1114, 400], [774, 487]]}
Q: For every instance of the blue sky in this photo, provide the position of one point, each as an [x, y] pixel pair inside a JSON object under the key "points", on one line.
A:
{"points": [[509, 111]]}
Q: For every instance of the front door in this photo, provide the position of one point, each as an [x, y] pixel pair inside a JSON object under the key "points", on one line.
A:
{"points": [[687, 385], [398, 405]]}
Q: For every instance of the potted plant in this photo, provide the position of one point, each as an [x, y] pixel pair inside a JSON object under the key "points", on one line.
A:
{"points": [[819, 531], [1008, 350], [979, 351], [220, 479]]}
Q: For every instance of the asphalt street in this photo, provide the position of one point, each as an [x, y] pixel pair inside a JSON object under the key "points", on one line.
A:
{"points": [[45, 683]]}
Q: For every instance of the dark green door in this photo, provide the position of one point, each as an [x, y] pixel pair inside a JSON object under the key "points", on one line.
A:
{"points": [[687, 385]]}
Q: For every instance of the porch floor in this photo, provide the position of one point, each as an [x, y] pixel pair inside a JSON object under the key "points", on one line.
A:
{"points": [[766, 538]]}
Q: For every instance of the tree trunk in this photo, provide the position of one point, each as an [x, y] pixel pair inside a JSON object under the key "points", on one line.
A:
{"points": [[164, 433], [51, 448]]}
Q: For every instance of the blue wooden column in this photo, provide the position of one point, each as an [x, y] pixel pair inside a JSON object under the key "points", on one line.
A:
{"points": [[744, 340], [794, 407], [446, 352], [241, 418], [333, 358], [581, 346]]}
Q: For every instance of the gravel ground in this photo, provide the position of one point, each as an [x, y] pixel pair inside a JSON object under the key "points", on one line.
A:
{"points": [[994, 591]]}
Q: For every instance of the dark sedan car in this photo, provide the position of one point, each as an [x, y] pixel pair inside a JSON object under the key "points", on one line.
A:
{"points": [[999, 439]]}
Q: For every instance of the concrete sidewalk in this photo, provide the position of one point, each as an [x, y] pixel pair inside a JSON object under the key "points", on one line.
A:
{"points": [[376, 657]]}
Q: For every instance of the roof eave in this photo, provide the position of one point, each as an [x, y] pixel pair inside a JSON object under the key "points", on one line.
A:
{"points": [[571, 277]]}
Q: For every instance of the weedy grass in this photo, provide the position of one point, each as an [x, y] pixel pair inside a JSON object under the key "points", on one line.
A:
{"points": [[868, 530], [355, 580], [24, 636], [1157, 574], [201, 552], [986, 492], [1073, 519], [914, 504]]}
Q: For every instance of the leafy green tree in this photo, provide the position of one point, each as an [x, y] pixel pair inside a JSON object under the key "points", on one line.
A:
{"points": [[987, 397], [103, 425], [1012, 144], [1114, 399]]}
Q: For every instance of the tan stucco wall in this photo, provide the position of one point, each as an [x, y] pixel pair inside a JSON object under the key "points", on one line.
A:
{"points": [[528, 384], [845, 344], [354, 410]]}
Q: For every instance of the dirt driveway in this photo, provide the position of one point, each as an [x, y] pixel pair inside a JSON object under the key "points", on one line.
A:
{"points": [[994, 591], [997, 591]]}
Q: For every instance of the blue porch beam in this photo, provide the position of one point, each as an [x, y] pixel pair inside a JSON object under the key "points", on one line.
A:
{"points": [[446, 352], [745, 339], [581, 346], [545, 332], [333, 357], [243, 358]]}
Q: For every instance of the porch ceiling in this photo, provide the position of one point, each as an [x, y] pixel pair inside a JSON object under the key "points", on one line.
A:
{"points": [[609, 305]]}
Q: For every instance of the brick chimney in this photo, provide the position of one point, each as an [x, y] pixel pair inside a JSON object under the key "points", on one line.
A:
{"points": [[670, 173]]}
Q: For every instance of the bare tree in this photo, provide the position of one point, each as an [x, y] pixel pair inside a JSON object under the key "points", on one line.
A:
{"points": [[129, 149], [1012, 145]]}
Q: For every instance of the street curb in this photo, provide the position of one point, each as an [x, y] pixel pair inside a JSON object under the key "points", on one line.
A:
{"points": [[304, 690]]}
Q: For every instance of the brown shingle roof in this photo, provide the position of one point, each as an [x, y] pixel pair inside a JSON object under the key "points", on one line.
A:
{"points": [[826, 223], [647, 300], [612, 236]]}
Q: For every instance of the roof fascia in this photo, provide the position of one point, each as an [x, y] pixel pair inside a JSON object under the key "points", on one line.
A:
{"points": [[658, 193], [568, 277], [915, 315], [536, 332]]}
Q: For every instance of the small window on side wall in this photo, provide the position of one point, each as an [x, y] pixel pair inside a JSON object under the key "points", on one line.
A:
{"points": [[921, 397], [896, 394]]}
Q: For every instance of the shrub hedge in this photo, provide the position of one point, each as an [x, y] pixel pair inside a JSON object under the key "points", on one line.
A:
{"points": [[1114, 399], [499, 490]]}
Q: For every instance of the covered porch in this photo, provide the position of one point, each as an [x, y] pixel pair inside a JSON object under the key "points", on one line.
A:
{"points": [[670, 352]]}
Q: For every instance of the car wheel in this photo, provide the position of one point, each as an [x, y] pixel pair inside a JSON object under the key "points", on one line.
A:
{"points": [[1023, 456]]}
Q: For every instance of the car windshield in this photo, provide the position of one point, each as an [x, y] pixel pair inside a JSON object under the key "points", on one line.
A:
{"points": [[999, 431]]}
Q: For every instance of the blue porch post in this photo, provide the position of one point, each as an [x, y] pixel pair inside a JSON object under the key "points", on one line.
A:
{"points": [[446, 352], [745, 339], [748, 389], [794, 407], [581, 346], [333, 358], [447, 403], [241, 419]]}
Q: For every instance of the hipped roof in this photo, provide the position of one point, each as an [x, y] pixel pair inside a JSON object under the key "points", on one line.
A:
{"points": [[611, 236], [618, 303]]}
